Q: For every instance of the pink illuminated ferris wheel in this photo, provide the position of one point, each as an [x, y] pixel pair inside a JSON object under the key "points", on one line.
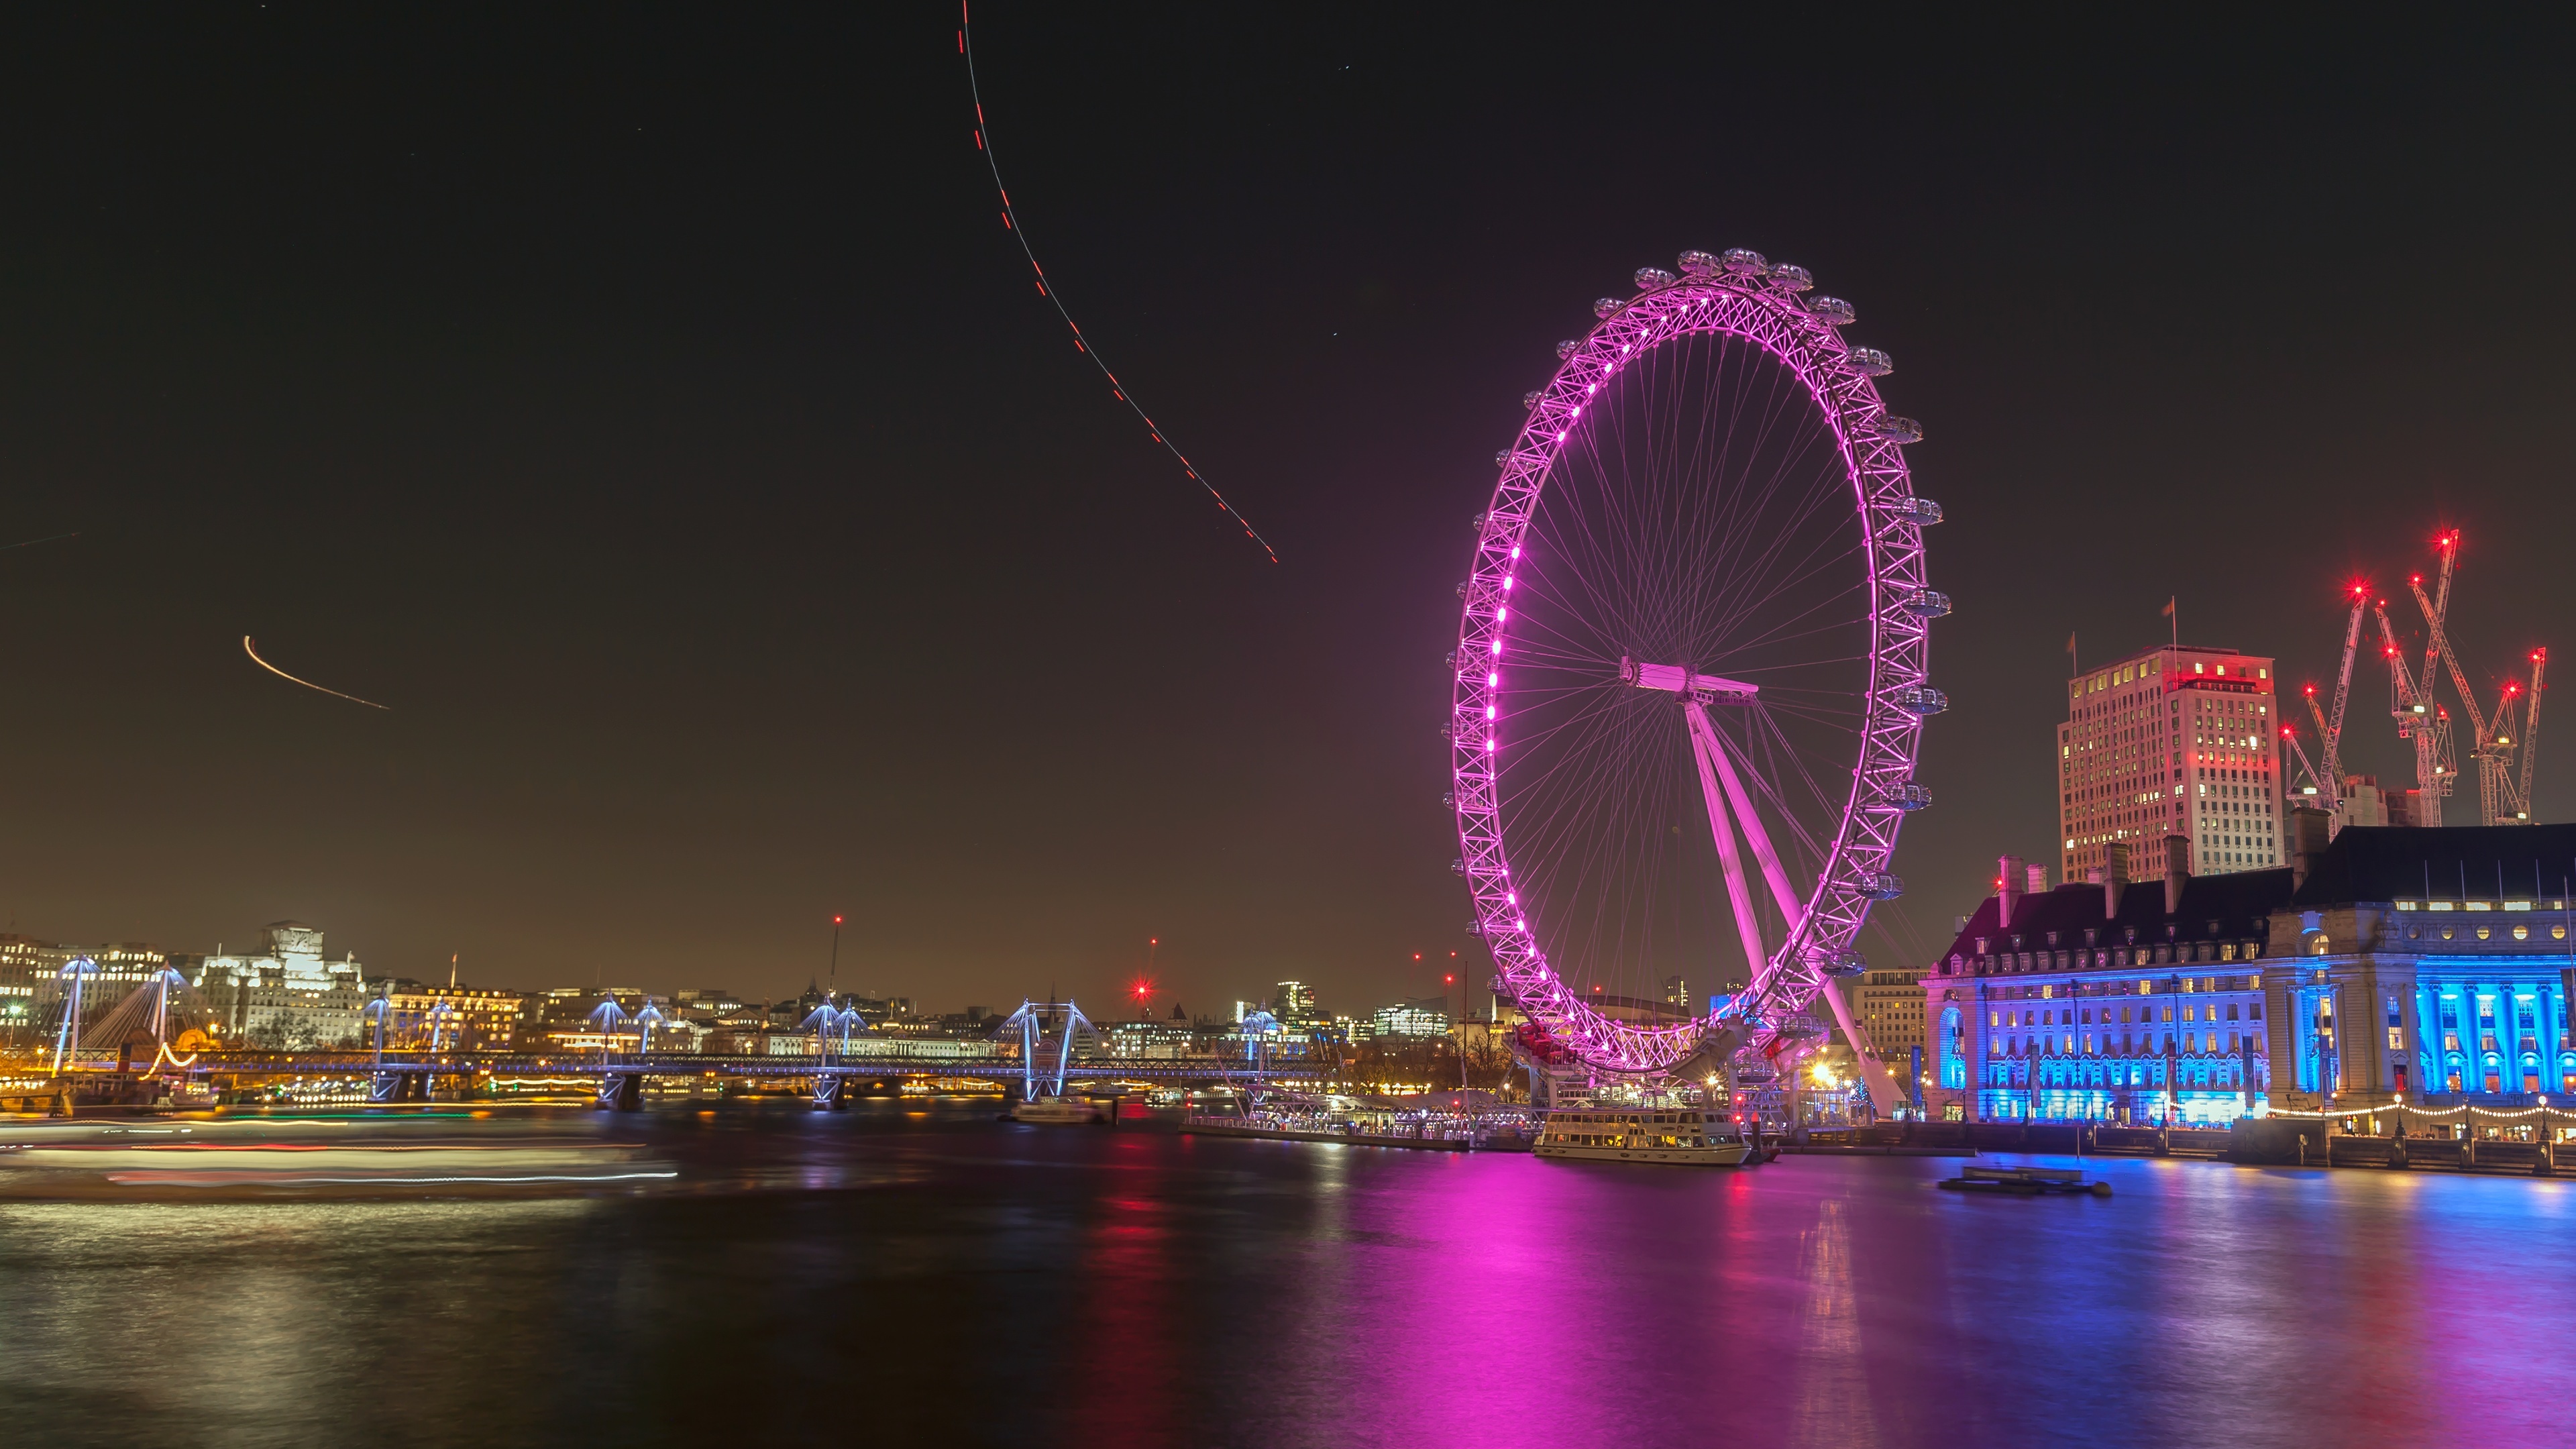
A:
{"points": [[1691, 675]]}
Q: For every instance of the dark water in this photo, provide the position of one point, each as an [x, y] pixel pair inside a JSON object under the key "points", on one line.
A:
{"points": [[894, 1276]]}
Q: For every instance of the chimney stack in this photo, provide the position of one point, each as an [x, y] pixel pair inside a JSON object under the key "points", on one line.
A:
{"points": [[2038, 880], [2008, 889], [2309, 828], [2177, 870], [2115, 879]]}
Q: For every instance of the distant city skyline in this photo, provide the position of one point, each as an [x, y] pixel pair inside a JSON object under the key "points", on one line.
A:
{"points": [[672, 438]]}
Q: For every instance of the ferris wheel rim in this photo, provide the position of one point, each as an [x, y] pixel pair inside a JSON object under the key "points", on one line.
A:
{"points": [[1760, 306]]}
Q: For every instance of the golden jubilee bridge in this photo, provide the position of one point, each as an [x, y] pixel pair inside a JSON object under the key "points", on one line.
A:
{"points": [[1035, 1053]]}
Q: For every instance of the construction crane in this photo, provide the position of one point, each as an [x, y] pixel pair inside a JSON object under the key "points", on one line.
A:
{"points": [[2514, 794], [2419, 720], [2531, 731], [2503, 799], [2290, 737], [2330, 731], [2491, 748]]}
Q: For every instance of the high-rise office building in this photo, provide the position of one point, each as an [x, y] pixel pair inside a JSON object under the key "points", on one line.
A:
{"points": [[1890, 1006], [2173, 741]]}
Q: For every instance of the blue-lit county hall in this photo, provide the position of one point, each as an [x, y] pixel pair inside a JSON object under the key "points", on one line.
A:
{"points": [[2428, 965]]}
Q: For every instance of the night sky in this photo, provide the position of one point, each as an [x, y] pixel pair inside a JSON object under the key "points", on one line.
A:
{"points": [[648, 405]]}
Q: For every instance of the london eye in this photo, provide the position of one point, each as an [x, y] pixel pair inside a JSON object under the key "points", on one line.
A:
{"points": [[1691, 678]]}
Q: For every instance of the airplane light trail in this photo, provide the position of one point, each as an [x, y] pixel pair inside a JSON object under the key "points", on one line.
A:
{"points": [[252, 650], [1081, 344]]}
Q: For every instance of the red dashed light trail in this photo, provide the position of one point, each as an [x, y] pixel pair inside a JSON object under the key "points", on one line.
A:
{"points": [[1081, 344]]}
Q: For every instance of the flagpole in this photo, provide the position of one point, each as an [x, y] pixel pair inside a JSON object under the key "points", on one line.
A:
{"points": [[2174, 615]]}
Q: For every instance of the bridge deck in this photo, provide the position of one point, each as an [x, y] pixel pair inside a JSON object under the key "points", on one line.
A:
{"points": [[994, 1067]]}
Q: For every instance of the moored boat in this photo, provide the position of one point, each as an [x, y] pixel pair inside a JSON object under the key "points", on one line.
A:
{"points": [[1677, 1135], [1057, 1112]]}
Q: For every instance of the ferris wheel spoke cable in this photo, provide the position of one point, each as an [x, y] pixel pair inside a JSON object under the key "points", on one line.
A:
{"points": [[1011, 222], [1772, 560], [1780, 633], [1568, 879], [1763, 778], [1634, 896], [1809, 574], [1598, 774], [1632, 902], [1576, 785], [1657, 572]]}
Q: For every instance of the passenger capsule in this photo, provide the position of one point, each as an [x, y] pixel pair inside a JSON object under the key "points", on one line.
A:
{"points": [[1604, 306], [1649, 278], [1568, 348], [1833, 311], [1925, 603], [1893, 429], [1922, 511], [1696, 264], [1921, 700], [1744, 262], [1882, 886], [1870, 362], [1530, 398], [1846, 962], [1502, 457], [1912, 796], [1789, 278]]}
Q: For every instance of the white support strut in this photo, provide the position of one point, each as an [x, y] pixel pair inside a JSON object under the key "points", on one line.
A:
{"points": [[1738, 893], [1711, 751]]}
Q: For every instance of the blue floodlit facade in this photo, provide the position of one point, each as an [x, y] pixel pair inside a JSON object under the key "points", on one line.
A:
{"points": [[2428, 965]]}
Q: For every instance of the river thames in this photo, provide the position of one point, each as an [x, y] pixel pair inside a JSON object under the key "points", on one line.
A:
{"points": [[911, 1274]]}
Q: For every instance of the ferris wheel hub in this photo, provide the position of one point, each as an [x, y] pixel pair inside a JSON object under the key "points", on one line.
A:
{"points": [[1674, 679]]}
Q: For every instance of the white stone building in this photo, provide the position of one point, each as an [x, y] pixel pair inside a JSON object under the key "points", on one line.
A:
{"points": [[287, 996]]}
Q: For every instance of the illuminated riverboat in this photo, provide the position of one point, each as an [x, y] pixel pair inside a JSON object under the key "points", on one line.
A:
{"points": [[1643, 1134], [1057, 1112]]}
